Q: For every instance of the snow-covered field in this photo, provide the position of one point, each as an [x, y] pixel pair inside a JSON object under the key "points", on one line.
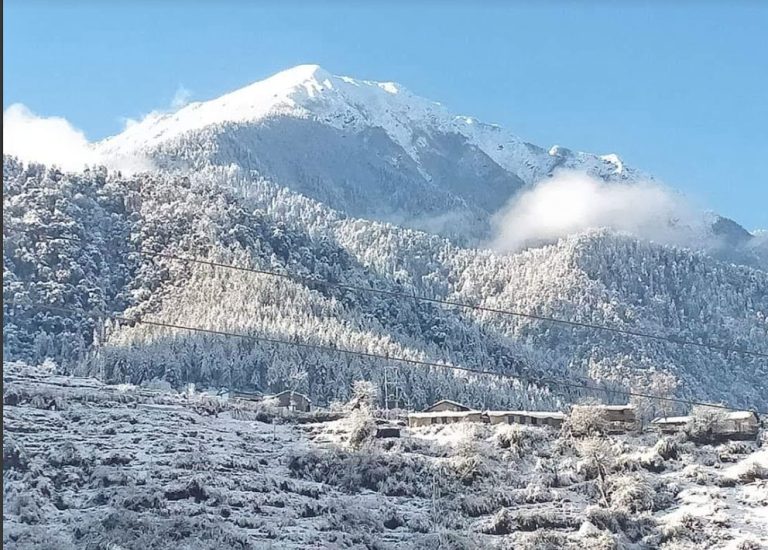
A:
{"points": [[94, 466]]}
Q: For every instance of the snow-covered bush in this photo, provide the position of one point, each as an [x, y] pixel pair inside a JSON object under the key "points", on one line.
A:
{"points": [[632, 525], [468, 463], [362, 428], [540, 540], [687, 528], [517, 438], [752, 472], [586, 420], [597, 457], [365, 395], [352, 472], [631, 493], [507, 521], [15, 456], [703, 424], [667, 448]]}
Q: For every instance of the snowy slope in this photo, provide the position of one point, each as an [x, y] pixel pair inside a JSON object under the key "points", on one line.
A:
{"points": [[87, 465], [369, 149], [308, 91]]}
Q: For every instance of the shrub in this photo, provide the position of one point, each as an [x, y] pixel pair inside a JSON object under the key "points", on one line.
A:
{"points": [[505, 521], [362, 428], [585, 420], [668, 448], [15, 456], [619, 521], [388, 473], [67, 455], [517, 438], [702, 426], [364, 396], [753, 472], [631, 493], [540, 540]]}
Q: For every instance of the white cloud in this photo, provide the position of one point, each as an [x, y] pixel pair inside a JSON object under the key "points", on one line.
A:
{"points": [[51, 140], [55, 142], [572, 202], [181, 97]]}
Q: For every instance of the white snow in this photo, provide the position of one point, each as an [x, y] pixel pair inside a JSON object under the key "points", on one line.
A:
{"points": [[309, 91]]}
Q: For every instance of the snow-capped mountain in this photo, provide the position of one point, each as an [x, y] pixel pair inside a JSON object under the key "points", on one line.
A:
{"points": [[370, 149], [299, 173], [597, 277]]}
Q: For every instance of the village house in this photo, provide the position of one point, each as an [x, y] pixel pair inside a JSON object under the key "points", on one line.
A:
{"points": [[416, 420], [732, 425], [446, 405], [531, 418], [292, 400]]}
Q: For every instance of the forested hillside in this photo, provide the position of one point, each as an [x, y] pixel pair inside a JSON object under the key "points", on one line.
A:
{"points": [[81, 241]]}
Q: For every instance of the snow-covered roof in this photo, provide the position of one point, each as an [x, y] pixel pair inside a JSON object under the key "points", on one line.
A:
{"points": [[741, 415], [609, 407], [735, 415], [293, 393], [438, 414], [534, 414], [436, 403]]}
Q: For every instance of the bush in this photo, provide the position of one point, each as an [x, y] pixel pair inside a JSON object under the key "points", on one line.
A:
{"points": [[619, 521], [362, 428], [585, 420], [753, 472], [517, 438], [668, 448], [631, 493], [540, 540], [505, 521], [387, 473], [15, 456], [702, 426]]}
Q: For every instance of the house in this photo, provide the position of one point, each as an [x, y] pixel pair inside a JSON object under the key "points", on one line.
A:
{"points": [[532, 418], [670, 424], [732, 425], [739, 425], [292, 400], [416, 420], [446, 405], [242, 395]]}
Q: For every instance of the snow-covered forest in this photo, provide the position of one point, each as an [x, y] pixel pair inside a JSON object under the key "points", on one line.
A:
{"points": [[75, 240]]}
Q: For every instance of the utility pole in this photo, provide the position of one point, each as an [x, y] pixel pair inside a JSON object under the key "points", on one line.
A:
{"points": [[391, 386]]}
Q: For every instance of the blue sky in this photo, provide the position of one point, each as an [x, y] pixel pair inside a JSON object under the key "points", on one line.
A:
{"points": [[677, 90]]}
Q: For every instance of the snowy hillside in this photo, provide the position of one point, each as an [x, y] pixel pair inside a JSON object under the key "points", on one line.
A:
{"points": [[595, 277], [87, 465]]}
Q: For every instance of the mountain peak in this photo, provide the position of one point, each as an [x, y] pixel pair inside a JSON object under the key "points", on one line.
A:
{"points": [[298, 74]]}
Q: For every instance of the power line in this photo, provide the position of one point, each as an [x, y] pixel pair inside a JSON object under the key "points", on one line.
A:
{"points": [[417, 362], [395, 294]]}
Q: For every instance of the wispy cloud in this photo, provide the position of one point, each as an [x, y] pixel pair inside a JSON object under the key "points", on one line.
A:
{"points": [[572, 202], [55, 141], [181, 97]]}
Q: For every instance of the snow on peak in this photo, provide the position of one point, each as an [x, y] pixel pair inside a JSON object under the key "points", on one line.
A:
{"points": [[311, 92], [615, 160]]}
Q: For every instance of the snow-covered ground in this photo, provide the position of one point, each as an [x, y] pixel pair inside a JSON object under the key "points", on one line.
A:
{"points": [[94, 466]]}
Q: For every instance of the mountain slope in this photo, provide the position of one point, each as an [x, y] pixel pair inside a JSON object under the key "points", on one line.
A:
{"points": [[370, 149], [596, 277]]}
